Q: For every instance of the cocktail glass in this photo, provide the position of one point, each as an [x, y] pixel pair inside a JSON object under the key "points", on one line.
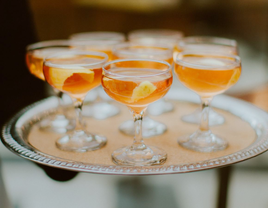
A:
{"points": [[150, 51], [76, 73], [207, 74], [99, 35], [103, 42], [206, 44], [136, 83], [157, 36], [58, 122]]}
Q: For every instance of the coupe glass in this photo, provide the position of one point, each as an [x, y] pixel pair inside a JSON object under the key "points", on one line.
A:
{"points": [[76, 73], [149, 51], [99, 35], [157, 36], [206, 44], [36, 52], [103, 42], [136, 83], [207, 74]]}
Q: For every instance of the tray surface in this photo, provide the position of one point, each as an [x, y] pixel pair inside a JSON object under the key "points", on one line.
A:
{"points": [[245, 129]]}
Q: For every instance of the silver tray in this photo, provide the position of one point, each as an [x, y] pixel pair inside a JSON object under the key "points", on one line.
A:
{"points": [[14, 137]]}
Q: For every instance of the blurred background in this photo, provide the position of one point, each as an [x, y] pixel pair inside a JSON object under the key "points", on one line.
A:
{"points": [[25, 22]]}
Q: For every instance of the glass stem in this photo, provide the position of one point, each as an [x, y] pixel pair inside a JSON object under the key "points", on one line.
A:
{"points": [[138, 140], [99, 98], [59, 95], [60, 105], [204, 122], [79, 118]]}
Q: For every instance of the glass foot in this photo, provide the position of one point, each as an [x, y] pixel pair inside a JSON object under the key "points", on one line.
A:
{"points": [[203, 142], [150, 127], [80, 141], [57, 124], [159, 107], [148, 156], [195, 117], [101, 110]]}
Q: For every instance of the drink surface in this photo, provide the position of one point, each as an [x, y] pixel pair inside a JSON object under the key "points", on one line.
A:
{"points": [[136, 87], [141, 64], [212, 77], [207, 48], [145, 52], [105, 50], [34, 60], [98, 46], [71, 78], [163, 36]]}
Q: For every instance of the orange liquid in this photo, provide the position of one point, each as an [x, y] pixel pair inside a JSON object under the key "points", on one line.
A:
{"points": [[77, 84], [207, 82], [35, 65], [121, 88]]}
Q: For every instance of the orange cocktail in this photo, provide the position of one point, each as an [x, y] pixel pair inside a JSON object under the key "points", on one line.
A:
{"points": [[76, 81], [146, 51], [206, 44], [154, 51], [155, 36], [104, 46], [137, 87], [38, 51], [35, 58], [215, 78], [100, 41], [56, 122], [134, 91], [76, 73], [97, 41], [208, 74]]}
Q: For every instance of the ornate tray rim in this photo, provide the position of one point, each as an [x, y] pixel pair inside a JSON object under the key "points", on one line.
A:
{"points": [[256, 117]]}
